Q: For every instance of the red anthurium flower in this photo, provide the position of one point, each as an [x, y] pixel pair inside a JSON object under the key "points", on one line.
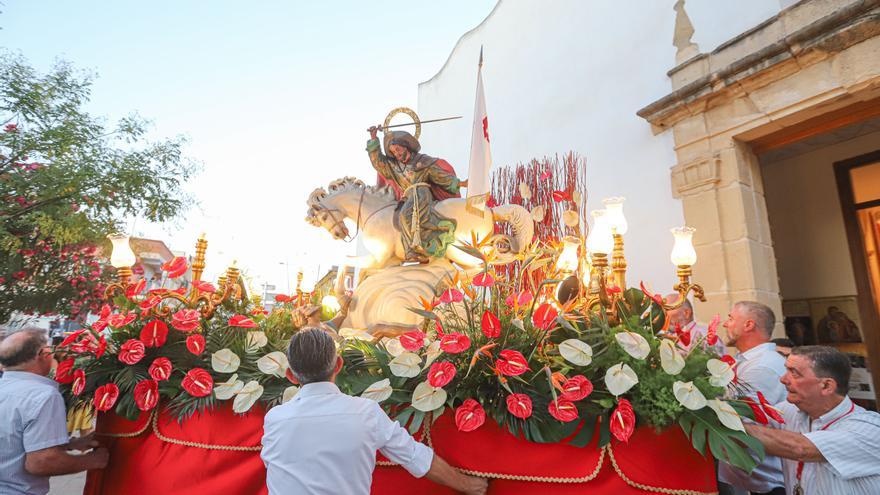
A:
{"points": [[491, 325], [120, 320], [135, 289], [545, 175], [559, 196], [454, 342], [441, 373], [198, 382], [70, 338], [520, 405], [154, 333], [85, 344], [519, 299], [563, 410], [101, 347], [105, 397], [99, 325], [176, 267], [281, 298], [623, 421], [413, 340], [657, 298], [484, 280], [131, 351], [491, 203], [511, 363], [469, 416], [64, 371], [186, 320], [760, 417], [195, 344], [451, 296], [712, 331], [79, 382], [160, 369], [105, 312], [204, 286], [146, 394], [150, 302], [576, 388], [242, 321], [544, 316], [769, 409]]}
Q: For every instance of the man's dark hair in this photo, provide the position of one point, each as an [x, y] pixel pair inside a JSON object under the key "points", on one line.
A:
{"points": [[761, 314], [25, 349], [312, 355], [828, 362], [783, 342]]}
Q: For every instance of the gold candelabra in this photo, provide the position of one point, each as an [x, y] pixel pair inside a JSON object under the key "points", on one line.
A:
{"points": [[605, 284], [122, 258]]}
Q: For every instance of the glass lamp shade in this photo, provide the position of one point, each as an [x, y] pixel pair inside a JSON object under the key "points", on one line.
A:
{"points": [[121, 256], [331, 304], [614, 214], [568, 258], [683, 253], [600, 239]]}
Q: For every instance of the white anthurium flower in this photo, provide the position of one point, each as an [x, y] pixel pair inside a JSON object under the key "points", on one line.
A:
{"points": [[354, 333], [227, 389], [727, 414], [689, 395], [518, 323], [722, 373], [576, 352], [393, 346], [256, 340], [274, 363], [634, 344], [406, 365], [247, 396], [378, 391], [427, 398], [432, 352], [620, 378], [289, 393], [225, 361], [671, 360]]}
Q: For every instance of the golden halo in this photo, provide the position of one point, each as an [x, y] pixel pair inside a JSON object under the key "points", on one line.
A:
{"points": [[409, 112]]}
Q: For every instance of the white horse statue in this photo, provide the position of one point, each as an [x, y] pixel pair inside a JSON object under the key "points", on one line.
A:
{"points": [[372, 209]]}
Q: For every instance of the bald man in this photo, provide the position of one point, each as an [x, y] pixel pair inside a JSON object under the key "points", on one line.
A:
{"points": [[684, 316], [33, 432]]}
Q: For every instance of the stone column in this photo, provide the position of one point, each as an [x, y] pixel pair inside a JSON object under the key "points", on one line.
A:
{"points": [[719, 183]]}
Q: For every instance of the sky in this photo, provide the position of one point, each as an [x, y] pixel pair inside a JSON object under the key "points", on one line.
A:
{"points": [[273, 96]]}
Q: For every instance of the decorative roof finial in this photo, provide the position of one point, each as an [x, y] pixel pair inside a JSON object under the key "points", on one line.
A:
{"points": [[684, 30]]}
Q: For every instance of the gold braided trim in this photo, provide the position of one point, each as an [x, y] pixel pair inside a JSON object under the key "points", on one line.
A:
{"points": [[129, 435], [237, 448], [647, 488], [515, 477]]}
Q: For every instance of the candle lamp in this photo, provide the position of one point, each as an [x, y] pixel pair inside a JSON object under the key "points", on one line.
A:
{"points": [[617, 221], [684, 256]]}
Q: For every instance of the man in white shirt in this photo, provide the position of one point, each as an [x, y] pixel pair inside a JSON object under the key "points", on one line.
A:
{"points": [[759, 367], [324, 442], [683, 316], [828, 444]]}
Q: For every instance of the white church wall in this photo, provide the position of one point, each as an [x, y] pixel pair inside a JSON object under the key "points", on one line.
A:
{"points": [[570, 75]]}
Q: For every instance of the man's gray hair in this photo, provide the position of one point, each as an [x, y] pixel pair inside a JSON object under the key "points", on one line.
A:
{"points": [[761, 314], [828, 362], [312, 355], [20, 350]]}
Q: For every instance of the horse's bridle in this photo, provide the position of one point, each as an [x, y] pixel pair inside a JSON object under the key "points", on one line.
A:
{"points": [[337, 221]]}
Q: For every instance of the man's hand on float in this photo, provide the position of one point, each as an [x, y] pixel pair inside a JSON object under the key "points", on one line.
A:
{"points": [[373, 130], [83, 443]]}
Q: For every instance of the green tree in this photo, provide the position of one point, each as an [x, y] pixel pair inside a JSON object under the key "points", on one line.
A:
{"points": [[67, 179]]}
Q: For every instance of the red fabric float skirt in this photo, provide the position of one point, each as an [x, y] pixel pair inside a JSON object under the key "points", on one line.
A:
{"points": [[218, 452]]}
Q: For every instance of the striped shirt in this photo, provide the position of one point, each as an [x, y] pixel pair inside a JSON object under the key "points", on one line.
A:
{"points": [[32, 418], [760, 368], [850, 446]]}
